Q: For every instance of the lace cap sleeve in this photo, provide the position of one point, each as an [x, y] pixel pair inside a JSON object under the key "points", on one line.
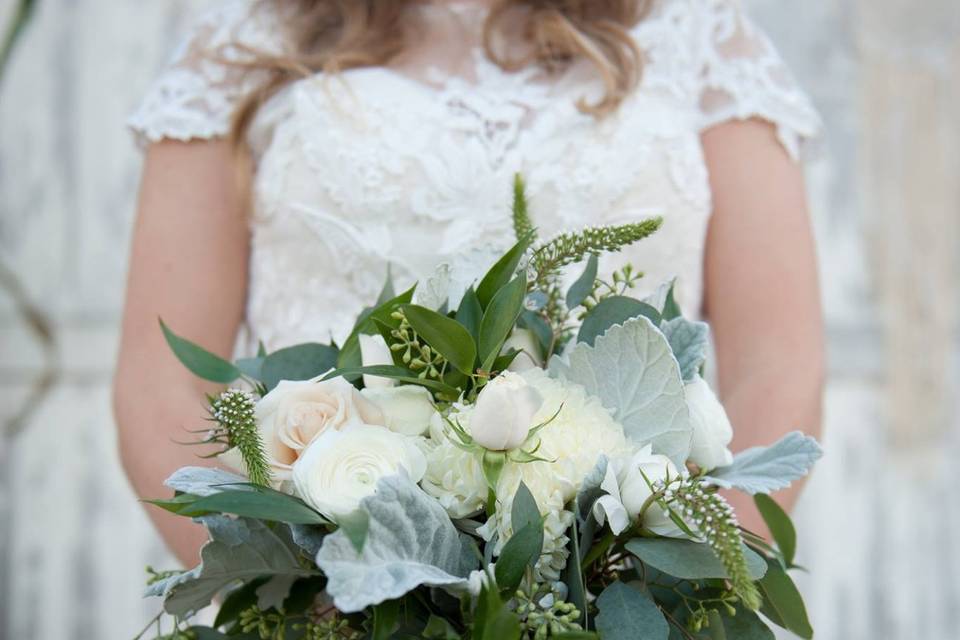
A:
{"points": [[195, 95], [743, 76]]}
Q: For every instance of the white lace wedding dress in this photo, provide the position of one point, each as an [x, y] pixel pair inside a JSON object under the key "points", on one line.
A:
{"points": [[412, 165]]}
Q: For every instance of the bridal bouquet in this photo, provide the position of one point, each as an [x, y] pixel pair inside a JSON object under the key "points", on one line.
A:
{"points": [[508, 461]]}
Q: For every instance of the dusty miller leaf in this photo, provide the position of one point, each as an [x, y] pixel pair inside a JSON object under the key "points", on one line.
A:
{"points": [[768, 469], [632, 370], [410, 542], [239, 550], [202, 481], [688, 340]]}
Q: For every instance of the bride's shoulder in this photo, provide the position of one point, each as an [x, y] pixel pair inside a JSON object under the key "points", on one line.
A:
{"points": [[194, 95]]}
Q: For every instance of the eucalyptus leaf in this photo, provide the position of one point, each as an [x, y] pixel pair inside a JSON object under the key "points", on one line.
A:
{"points": [[447, 336], [499, 319], [689, 560], [628, 614], [410, 542], [198, 360], [276, 507], [746, 625], [540, 328], [583, 286], [689, 341], [768, 469], [782, 602], [780, 526], [502, 271], [522, 550], [470, 313], [299, 362], [524, 510], [251, 367], [613, 311], [239, 550], [573, 576], [274, 591], [633, 372], [590, 489]]}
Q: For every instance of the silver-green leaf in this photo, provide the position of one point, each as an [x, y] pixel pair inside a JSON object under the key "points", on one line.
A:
{"points": [[632, 370], [689, 343], [410, 542], [239, 550], [768, 469], [628, 614]]}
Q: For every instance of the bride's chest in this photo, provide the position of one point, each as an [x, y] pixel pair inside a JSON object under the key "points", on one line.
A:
{"points": [[383, 153]]}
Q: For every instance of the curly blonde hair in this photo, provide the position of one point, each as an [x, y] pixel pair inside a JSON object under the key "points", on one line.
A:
{"points": [[330, 36]]}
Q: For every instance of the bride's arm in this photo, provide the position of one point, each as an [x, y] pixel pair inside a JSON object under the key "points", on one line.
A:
{"points": [[188, 265], [762, 295]]}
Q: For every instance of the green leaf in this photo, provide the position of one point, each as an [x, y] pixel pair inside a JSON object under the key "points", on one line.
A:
{"points": [[782, 602], [505, 625], [239, 550], [689, 560], [396, 373], [716, 630], [386, 619], [251, 367], [524, 510], [583, 286], [573, 576], [746, 625], [299, 362], [522, 550], [780, 525], [439, 629], [634, 374], [239, 599], [350, 356], [628, 614], [540, 328], [198, 360], [387, 293], [671, 309], [275, 507], [470, 313], [410, 542], [499, 319], [448, 337], [613, 311], [355, 527], [689, 342], [503, 271]]}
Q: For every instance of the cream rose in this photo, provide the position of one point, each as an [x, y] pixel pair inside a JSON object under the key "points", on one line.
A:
{"points": [[712, 431], [295, 413], [341, 468], [407, 409]]}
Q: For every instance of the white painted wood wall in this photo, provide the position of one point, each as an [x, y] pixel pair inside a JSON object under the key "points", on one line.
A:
{"points": [[881, 515]]}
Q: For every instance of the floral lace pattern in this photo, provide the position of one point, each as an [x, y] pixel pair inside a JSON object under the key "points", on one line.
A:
{"points": [[380, 167]]}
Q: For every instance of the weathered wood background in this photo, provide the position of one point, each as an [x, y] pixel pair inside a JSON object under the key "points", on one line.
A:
{"points": [[881, 516]]}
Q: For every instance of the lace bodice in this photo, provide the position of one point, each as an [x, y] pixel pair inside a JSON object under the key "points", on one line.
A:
{"points": [[411, 166]]}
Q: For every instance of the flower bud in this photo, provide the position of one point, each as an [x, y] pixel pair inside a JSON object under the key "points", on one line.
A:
{"points": [[374, 351], [504, 412]]}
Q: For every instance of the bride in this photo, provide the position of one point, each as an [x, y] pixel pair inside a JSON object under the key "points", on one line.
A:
{"points": [[297, 148]]}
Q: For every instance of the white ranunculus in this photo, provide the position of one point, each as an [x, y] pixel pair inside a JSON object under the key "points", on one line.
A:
{"points": [[374, 351], [341, 468], [407, 409], [503, 415], [634, 490], [524, 341], [711, 426], [295, 413]]}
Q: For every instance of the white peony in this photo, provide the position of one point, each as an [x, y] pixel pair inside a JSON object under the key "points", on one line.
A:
{"points": [[524, 341], [503, 415], [570, 444], [295, 413], [407, 409], [454, 476], [712, 431], [374, 351], [341, 468]]}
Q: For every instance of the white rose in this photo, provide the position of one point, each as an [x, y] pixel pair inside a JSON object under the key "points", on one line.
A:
{"points": [[341, 468], [407, 409], [524, 341], [711, 426], [503, 415], [295, 413], [374, 351], [634, 490]]}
